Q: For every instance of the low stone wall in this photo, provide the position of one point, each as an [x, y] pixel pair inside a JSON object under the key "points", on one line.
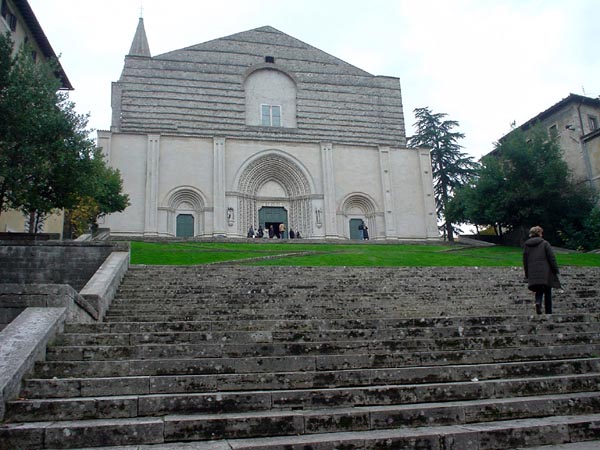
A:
{"points": [[31, 313], [15, 298], [50, 262], [22, 343]]}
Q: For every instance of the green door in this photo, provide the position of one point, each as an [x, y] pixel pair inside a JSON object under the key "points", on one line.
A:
{"points": [[354, 231], [272, 215], [185, 225]]}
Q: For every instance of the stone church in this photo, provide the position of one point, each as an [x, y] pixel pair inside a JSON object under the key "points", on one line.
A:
{"points": [[258, 129]]}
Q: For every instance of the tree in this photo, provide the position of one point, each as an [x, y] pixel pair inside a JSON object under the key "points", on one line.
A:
{"points": [[525, 182], [46, 154], [99, 194], [451, 168]]}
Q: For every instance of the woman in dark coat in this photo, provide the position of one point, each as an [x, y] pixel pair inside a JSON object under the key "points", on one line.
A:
{"points": [[541, 269]]}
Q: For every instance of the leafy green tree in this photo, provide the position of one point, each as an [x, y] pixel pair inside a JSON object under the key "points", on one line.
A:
{"points": [[525, 182], [451, 168], [100, 193], [46, 156]]}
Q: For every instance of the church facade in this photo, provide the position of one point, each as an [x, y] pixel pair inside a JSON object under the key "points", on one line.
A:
{"points": [[261, 129]]}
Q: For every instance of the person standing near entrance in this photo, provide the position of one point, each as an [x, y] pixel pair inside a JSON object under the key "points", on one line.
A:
{"points": [[282, 230], [364, 231], [541, 269]]}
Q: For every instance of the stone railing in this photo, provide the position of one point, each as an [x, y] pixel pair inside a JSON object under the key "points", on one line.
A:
{"points": [[32, 314]]}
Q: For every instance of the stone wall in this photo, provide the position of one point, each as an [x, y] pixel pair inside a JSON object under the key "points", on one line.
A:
{"points": [[70, 263]]}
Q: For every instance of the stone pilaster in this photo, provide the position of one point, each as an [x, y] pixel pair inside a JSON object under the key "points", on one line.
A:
{"points": [[385, 173], [104, 141], [219, 213], [152, 176], [328, 216], [428, 197]]}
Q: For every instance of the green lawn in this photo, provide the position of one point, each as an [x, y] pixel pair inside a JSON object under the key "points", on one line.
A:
{"points": [[288, 254]]}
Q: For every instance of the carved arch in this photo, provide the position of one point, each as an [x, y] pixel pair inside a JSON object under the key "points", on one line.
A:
{"points": [[360, 201], [184, 200], [290, 174]]}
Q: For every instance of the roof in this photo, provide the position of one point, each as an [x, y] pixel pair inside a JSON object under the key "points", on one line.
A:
{"points": [[40, 37], [200, 91], [572, 98]]}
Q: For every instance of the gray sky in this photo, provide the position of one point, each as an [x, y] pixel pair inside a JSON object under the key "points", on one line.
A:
{"points": [[485, 63]]}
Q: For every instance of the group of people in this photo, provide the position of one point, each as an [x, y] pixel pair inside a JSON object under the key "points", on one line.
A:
{"points": [[272, 232]]}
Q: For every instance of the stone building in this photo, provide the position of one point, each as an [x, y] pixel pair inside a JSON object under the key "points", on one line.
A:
{"points": [[576, 122], [18, 19], [258, 129]]}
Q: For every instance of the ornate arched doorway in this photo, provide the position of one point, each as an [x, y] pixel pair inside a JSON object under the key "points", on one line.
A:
{"points": [[274, 180]]}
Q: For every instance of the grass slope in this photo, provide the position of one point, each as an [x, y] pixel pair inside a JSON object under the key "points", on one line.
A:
{"points": [[361, 254]]}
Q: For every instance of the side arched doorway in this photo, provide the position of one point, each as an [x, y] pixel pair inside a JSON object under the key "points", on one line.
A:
{"points": [[185, 225], [184, 209], [358, 208]]}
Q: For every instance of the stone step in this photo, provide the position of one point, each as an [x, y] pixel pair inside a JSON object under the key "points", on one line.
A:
{"points": [[103, 407], [225, 445], [318, 324], [528, 328], [259, 365], [253, 316], [161, 384], [504, 434], [184, 349]]}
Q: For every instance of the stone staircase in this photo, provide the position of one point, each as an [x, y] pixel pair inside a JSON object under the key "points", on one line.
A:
{"points": [[264, 358]]}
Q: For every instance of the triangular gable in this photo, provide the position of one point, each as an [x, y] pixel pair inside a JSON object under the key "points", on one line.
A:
{"points": [[263, 41]]}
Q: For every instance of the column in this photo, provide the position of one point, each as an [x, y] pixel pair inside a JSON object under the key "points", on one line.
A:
{"points": [[387, 192], [328, 216], [151, 205], [219, 212], [431, 227]]}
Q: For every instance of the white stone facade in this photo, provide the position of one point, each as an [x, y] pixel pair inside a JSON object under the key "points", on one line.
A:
{"points": [[259, 126]]}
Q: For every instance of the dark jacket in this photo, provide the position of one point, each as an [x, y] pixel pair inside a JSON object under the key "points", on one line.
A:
{"points": [[540, 264]]}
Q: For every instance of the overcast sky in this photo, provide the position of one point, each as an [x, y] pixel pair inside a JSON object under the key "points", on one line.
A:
{"points": [[485, 63]]}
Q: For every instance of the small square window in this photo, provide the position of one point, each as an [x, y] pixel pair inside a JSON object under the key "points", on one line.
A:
{"points": [[593, 122], [270, 115]]}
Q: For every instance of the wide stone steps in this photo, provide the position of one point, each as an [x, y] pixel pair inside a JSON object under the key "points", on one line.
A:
{"points": [[403, 326], [498, 434], [103, 407], [160, 384], [260, 365], [226, 358], [186, 349], [288, 337]]}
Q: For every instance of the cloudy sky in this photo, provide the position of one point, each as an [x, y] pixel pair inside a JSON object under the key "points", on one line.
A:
{"points": [[485, 63]]}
